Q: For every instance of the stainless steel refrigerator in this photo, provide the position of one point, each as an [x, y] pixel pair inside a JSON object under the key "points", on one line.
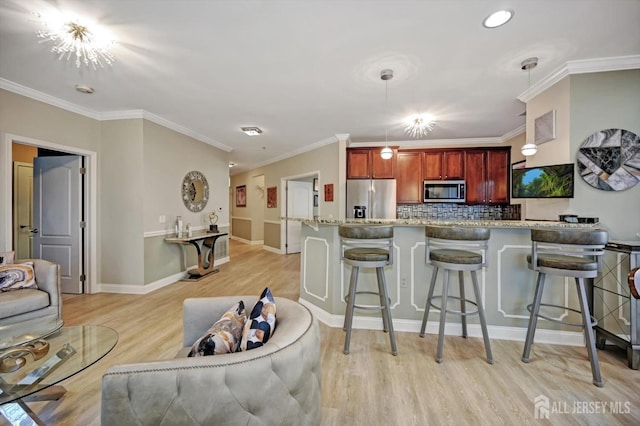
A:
{"points": [[377, 196]]}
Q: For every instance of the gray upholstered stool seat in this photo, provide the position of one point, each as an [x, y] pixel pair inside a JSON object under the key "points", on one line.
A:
{"points": [[571, 253], [367, 254], [448, 248], [367, 246]]}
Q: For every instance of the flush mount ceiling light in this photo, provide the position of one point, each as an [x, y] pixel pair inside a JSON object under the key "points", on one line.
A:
{"points": [[83, 88], [232, 165], [419, 125], [77, 37], [528, 64], [386, 75], [251, 131], [497, 19]]}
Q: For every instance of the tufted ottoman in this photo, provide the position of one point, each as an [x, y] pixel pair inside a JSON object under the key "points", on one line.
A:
{"points": [[276, 384]]}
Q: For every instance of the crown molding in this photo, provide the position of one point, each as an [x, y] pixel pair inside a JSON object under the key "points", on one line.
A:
{"points": [[306, 148], [583, 66], [108, 115], [47, 99], [512, 134]]}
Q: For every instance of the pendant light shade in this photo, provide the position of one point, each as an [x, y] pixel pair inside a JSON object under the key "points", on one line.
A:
{"points": [[386, 153], [386, 75], [529, 149]]}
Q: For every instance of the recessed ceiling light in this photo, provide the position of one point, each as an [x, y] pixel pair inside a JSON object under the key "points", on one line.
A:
{"points": [[83, 88], [251, 131], [498, 18]]}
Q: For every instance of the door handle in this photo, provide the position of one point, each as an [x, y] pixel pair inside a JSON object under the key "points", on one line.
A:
{"points": [[34, 230]]}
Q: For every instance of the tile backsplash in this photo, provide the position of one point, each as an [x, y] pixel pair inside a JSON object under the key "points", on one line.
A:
{"points": [[458, 211]]}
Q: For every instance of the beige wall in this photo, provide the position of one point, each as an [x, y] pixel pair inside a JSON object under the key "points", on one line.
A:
{"points": [[584, 104], [322, 161], [140, 167], [553, 152], [609, 100]]}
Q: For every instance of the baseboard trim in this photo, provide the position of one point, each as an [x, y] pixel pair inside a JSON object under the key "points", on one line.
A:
{"points": [[518, 334], [148, 288]]}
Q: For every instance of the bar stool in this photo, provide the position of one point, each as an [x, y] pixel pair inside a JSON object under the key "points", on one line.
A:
{"points": [[570, 253], [367, 246], [450, 248]]}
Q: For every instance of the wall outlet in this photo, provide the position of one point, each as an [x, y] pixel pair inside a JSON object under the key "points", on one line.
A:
{"points": [[162, 218], [403, 283]]}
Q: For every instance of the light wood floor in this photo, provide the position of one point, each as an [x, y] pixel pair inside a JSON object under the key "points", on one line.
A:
{"points": [[369, 386]]}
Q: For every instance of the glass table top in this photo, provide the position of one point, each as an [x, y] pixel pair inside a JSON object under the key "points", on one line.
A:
{"points": [[71, 350], [18, 334]]}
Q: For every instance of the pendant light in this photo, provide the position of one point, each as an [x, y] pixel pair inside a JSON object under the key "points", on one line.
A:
{"points": [[386, 75], [529, 148]]}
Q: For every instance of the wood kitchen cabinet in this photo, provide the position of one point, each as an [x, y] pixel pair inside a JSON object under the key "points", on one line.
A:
{"points": [[409, 178], [487, 176], [443, 165], [366, 163]]}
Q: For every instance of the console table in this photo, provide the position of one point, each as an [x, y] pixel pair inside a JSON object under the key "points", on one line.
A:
{"points": [[617, 311], [199, 241]]}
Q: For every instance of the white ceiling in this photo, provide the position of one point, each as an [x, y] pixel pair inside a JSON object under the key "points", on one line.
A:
{"points": [[304, 71]]}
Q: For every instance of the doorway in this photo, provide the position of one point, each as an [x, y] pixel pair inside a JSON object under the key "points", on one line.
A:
{"points": [[299, 204], [20, 215]]}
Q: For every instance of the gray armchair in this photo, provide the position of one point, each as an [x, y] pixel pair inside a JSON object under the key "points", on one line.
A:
{"points": [[25, 305], [276, 384]]}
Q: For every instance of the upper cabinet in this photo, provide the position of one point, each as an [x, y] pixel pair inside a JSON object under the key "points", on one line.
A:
{"points": [[366, 163], [443, 165], [409, 178], [487, 176]]}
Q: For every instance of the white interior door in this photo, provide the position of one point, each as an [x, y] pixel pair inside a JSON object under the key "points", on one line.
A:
{"points": [[57, 214], [299, 205], [22, 211]]}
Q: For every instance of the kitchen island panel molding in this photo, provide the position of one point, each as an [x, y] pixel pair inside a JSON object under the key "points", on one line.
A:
{"points": [[507, 284]]}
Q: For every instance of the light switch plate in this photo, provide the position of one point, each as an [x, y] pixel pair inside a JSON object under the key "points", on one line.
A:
{"points": [[162, 218]]}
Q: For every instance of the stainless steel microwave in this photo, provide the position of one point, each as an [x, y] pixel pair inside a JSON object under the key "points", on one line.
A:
{"points": [[444, 191]]}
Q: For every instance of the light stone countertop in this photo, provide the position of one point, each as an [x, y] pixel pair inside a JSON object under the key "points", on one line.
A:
{"points": [[524, 224]]}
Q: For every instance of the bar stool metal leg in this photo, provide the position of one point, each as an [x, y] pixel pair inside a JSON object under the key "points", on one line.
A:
{"points": [[385, 317], [533, 320], [427, 307], [483, 320], [463, 310], [588, 333], [443, 315], [386, 310], [348, 319]]}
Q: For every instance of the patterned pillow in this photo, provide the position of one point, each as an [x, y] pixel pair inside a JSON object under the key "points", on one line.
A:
{"points": [[15, 277], [261, 322], [6, 258], [224, 335]]}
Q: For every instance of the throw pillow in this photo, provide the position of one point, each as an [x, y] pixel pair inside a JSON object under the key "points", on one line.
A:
{"points": [[15, 277], [224, 335], [261, 322], [6, 258]]}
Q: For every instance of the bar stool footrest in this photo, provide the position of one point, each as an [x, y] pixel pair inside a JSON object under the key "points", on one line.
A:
{"points": [[462, 314], [593, 323], [366, 307]]}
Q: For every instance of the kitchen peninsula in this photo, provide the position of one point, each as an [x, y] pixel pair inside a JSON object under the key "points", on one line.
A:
{"points": [[506, 283]]}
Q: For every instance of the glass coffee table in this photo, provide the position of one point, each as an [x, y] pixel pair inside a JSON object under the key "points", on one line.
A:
{"points": [[33, 363]]}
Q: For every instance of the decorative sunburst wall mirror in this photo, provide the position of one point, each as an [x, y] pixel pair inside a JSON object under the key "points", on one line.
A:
{"points": [[195, 191], [609, 160]]}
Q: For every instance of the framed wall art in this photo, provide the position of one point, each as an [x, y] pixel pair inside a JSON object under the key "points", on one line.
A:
{"points": [[272, 197], [241, 196], [545, 127], [328, 192]]}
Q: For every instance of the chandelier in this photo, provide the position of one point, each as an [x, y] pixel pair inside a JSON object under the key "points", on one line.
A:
{"points": [[418, 126], [75, 37]]}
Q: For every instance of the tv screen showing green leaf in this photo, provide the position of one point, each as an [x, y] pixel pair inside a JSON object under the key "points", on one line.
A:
{"points": [[554, 181]]}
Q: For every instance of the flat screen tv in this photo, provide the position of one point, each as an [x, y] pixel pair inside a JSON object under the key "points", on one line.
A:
{"points": [[543, 182]]}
